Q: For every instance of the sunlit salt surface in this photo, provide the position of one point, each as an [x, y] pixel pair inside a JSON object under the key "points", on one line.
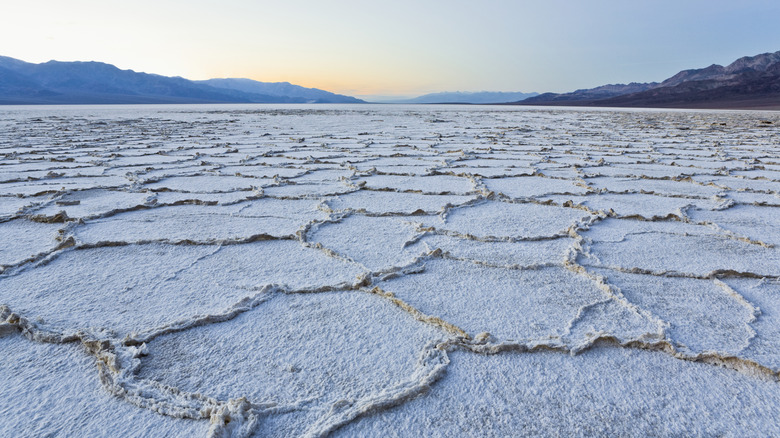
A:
{"points": [[240, 271]]}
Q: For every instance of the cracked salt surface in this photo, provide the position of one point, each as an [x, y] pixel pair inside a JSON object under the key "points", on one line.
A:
{"points": [[22, 240], [491, 220], [393, 203], [680, 249], [388, 270], [533, 186], [52, 390], [320, 358], [528, 305], [549, 393]]}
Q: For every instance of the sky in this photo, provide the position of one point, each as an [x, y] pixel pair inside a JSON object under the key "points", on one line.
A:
{"points": [[401, 48]]}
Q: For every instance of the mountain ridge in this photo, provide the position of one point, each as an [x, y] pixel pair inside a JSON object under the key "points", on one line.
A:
{"points": [[312, 95], [476, 97], [90, 82], [748, 82]]}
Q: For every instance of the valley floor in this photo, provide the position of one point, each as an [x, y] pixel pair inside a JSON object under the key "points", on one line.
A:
{"points": [[388, 271]]}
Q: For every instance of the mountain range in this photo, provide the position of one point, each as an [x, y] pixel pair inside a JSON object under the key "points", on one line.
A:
{"points": [[749, 82], [479, 97], [57, 82]]}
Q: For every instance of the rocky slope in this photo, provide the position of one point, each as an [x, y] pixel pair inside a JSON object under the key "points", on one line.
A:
{"points": [[749, 82]]}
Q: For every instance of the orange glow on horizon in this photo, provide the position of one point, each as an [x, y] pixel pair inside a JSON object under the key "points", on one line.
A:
{"points": [[405, 48], [352, 84]]}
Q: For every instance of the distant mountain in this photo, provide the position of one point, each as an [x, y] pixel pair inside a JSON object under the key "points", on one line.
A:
{"points": [[602, 92], [280, 89], [480, 97], [749, 82], [747, 64], [57, 82]]}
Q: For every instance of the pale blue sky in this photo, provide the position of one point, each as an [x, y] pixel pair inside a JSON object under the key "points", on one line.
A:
{"points": [[404, 47]]}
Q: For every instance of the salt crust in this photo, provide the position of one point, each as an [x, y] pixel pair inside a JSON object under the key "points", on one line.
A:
{"points": [[50, 389], [371, 270]]}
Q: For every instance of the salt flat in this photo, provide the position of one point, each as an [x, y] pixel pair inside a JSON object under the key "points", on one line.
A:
{"points": [[238, 271]]}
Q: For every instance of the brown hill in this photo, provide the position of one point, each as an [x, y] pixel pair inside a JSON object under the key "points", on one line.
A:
{"points": [[751, 82]]}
